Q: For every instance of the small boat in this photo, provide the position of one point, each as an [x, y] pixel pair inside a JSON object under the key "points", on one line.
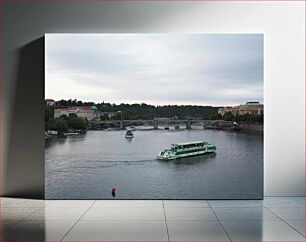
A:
{"points": [[235, 127], [186, 149], [81, 131], [167, 128], [52, 132], [75, 132], [129, 134], [71, 133], [210, 127]]}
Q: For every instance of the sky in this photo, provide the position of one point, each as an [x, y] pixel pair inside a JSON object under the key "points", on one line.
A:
{"points": [[157, 69]]}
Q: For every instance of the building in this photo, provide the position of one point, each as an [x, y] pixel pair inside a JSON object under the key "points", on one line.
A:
{"points": [[233, 110], [84, 112], [50, 102], [254, 108]]}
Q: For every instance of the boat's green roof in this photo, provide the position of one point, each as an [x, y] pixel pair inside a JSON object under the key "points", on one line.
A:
{"points": [[190, 143]]}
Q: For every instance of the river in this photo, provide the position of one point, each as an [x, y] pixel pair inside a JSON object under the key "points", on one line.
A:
{"points": [[90, 165]]}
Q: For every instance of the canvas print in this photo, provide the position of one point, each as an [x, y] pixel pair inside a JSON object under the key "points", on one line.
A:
{"points": [[154, 116]]}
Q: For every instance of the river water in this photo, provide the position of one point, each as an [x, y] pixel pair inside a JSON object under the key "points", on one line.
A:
{"points": [[89, 166]]}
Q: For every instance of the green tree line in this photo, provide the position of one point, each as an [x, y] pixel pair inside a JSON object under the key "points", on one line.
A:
{"points": [[146, 111], [228, 116]]}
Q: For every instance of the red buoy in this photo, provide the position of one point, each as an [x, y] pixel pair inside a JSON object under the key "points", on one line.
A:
{"points": [[114, 192]]}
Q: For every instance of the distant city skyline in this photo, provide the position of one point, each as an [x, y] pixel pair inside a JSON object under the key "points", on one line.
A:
{"points": [[156, 69]]}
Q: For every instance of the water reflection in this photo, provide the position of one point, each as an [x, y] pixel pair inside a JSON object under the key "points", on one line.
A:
{"points": [[193, 160]]}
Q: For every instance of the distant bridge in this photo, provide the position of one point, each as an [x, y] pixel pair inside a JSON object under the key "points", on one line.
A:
{"points": [[159, 121]]}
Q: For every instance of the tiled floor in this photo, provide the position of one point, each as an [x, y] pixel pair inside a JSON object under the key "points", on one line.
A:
{"points": [[273, 219]]}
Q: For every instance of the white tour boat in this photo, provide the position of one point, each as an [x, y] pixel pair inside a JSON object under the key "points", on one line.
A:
{"points": [[186, 149]]}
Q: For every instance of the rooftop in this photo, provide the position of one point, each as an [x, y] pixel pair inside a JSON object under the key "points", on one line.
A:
{"points": [[252, 103], [189, 143]]}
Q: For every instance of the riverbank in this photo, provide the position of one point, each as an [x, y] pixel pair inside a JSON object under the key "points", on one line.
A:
{"points": [[252, 127], [54, 133]]}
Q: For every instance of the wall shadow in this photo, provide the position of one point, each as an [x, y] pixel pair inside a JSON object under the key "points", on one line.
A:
{"points": [[27, 230], [24, 171]]}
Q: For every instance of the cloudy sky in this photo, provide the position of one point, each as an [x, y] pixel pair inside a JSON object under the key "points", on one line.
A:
{"points": [[158, 69]]}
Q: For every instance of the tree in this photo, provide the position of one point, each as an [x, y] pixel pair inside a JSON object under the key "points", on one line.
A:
{"points": [[64, 116], [104, 117], [61, 125], [228, 116], [49, 113], [75, 122], [117, 116], [50, 124], [72, 115]]}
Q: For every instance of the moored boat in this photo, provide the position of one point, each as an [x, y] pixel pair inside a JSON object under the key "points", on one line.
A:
{"points": [[75, 132], [210, 127], [52, 132], [186, 149], [235, 127], [71, 133]]}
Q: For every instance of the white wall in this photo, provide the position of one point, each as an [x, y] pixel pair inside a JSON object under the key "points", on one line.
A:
{"points": [[283, 25]]}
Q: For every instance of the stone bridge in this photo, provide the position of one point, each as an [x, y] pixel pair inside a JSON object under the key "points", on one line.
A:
{"points": [[159, 121]]}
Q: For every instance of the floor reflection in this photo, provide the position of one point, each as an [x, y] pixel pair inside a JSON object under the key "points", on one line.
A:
{"points": [[273, 219]]}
